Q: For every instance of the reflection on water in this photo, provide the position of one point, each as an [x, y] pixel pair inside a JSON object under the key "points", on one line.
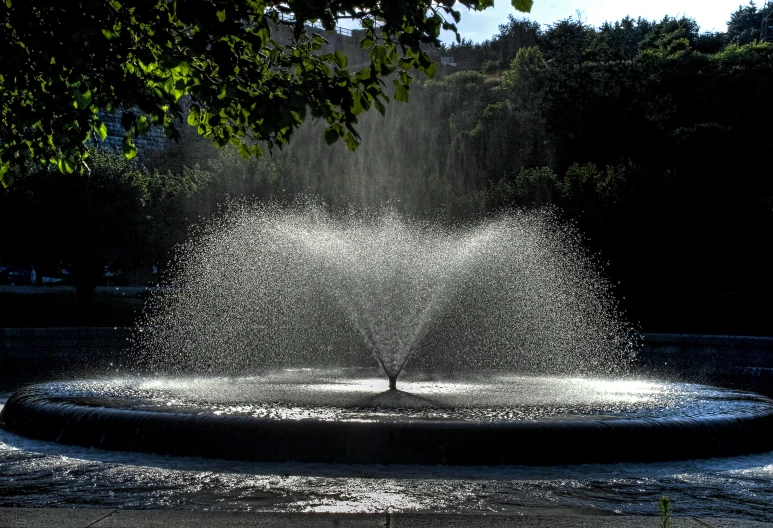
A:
{"points": [[296, 395], [34, 473]]}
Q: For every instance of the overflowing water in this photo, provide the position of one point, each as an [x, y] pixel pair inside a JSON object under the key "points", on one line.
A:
{"points": [[466, 310], [343, 396], [36, 474], [268, 287]]}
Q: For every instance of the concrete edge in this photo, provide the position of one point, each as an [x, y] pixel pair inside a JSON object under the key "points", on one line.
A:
{"points": [[537, 518]]}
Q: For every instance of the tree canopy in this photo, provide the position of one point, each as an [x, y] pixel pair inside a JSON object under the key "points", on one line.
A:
{"points": [[650, 135], [243, 72]]}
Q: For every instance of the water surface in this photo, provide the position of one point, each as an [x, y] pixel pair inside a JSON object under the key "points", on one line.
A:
{"points": [[36, 474]]}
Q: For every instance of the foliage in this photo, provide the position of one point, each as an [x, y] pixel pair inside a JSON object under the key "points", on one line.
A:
{"points": [[525, 68], [620, 41], [77, 221], [671, 34], [514, 35], [500, 49], [654, 142], [655, 133], [536, 186], [585, 185], [243, 72], [491, 66], [566, 42], [745, 24], [665, 512]]}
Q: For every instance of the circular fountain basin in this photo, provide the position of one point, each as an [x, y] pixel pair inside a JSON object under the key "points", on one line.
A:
{"points": [[335, 417]]}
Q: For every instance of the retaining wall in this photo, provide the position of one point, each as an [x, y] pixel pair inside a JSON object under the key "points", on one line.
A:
{"points": [[37, 354], [707, 356]]}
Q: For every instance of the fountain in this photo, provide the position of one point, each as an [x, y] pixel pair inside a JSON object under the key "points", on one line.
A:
{"points": [[267, 287], [504, 336]]}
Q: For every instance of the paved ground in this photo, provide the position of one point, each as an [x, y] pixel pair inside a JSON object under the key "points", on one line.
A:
{"points": [[106, 518]]}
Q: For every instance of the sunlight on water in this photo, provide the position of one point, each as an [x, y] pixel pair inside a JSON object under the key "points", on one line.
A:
{"points": [[278, 313], [35, 474], [268, 287], [341, 395]]}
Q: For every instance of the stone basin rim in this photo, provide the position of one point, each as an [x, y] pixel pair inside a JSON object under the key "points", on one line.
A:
{"points": [[30, 412]]}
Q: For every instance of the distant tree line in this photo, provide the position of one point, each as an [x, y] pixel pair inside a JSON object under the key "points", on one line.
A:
{"points": [[654, 137], [128, 215]]}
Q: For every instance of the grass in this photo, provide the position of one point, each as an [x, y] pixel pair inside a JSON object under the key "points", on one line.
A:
{"points": [[666, 509]]}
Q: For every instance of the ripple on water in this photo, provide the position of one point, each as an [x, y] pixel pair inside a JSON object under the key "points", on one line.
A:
{"points": [[35, 474], [296, 395]]}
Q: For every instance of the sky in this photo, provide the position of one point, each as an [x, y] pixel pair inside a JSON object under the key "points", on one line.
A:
{"points": [[712, 15]]}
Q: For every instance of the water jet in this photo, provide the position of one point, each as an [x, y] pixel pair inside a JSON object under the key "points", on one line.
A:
{"points": [[262, 349]]}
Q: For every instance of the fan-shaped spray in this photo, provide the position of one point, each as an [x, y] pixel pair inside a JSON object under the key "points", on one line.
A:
{"points": [[270, 287]]}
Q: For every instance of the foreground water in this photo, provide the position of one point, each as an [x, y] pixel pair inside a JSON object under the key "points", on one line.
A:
{"points": [[36, 474]]}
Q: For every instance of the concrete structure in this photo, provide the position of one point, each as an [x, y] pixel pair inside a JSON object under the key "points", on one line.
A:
{"points": [[737, 361], [105, 518], [39, 354]]}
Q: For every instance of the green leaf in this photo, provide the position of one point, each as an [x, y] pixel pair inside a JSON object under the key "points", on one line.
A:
{"points": [[340, 59], [378, 54], [523, 5], [331, 135], [170, 131], [357, 107], [142, 125], [221, 15], [193, 116], [430, 70], [244, 152], [401, 92], [129, 150], [5, 177], [220, 139], [298, 116], [351, 141], [82, 98], [101, 130], [64, 166]]}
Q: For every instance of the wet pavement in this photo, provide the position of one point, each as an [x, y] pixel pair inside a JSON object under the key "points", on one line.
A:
{"points": [[101, 518]]}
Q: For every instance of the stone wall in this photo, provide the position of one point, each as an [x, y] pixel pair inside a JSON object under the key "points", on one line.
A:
{"points": [[707, 355], [154, 140]]}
